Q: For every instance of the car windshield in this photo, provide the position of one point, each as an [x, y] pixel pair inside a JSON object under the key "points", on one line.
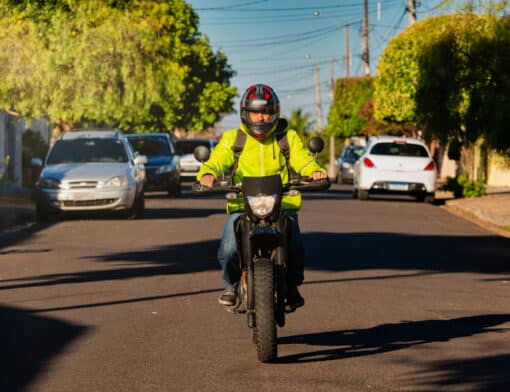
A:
{"points": [[399, 149], [188, 146], [151, 146], [353, 153], [87, 150]]}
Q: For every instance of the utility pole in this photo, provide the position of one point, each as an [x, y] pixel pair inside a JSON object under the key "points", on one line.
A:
{"points": [[332, 169], [318, 99], [347, 52], [411, 9], [366, 56]]}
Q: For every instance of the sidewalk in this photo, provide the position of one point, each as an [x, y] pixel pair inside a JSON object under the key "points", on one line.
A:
{"points": [[491, 211]]}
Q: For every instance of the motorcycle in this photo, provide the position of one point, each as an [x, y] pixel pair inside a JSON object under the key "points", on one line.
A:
{"points": [[263, 233]]}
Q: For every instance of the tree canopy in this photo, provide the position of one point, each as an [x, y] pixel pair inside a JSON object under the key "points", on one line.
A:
{"points": [[350, 103], [447, 75], [136, 64]]}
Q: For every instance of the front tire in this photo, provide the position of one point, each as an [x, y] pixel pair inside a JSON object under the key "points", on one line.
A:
{"points": [[265, 311]]}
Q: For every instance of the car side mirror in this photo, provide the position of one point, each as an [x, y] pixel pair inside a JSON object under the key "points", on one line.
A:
{"points": [[201, 153], [140, 160], [37, 162], [316, 144]]}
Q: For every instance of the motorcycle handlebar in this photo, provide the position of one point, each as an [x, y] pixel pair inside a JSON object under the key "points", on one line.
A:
{"points": [[303, 184]]}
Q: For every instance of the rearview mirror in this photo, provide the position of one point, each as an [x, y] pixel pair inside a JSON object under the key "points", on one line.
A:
{"points": [[316, 145], [36, 162], [201, 153], [140, 160]]}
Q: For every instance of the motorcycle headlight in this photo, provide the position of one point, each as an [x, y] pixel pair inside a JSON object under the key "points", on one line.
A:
{"points": [[116, 181], [346, 165], [164, 169], [49, 183], [262, 205]]}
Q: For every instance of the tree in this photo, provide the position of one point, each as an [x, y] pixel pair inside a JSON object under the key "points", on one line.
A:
{"points": [[136, 64], [351, 94], [300, 122]]}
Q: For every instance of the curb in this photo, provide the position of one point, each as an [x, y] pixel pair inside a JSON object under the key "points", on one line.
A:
{"points": [[469, 216]]}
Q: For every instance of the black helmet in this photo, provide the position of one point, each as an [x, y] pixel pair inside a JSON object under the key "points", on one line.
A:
{"points": [[260, 98]]}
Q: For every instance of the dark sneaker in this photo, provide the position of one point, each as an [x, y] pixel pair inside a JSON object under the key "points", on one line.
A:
{"points": [[228, 298], [294, 299]]}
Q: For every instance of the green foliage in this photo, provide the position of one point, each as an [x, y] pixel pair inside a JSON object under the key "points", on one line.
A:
{"points": [[34, 146], [135, 64], [300, 122], [351, 95], [449, 76], [461, 186]]}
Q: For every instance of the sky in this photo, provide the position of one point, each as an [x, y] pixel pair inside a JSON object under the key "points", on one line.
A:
{"points": [[280, 42]]}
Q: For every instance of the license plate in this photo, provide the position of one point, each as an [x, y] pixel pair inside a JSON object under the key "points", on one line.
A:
{"points": [[398, 186], [78, 196]]}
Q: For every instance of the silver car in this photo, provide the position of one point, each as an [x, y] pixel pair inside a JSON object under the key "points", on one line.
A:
{"points": [[185, 149], [90, 170]]}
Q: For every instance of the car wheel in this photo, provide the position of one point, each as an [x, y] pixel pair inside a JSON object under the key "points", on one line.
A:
{"points": [[44, 214], [175, 189], [363, 195], [138, 207], [430, 199], [354, 193]]}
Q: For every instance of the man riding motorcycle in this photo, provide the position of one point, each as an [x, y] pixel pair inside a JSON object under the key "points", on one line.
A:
{"points": [[261, 154]]}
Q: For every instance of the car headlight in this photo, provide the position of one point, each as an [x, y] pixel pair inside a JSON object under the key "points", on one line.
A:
{"points": [[49, 183], [164, 169], [262, 205], [116, 181]]}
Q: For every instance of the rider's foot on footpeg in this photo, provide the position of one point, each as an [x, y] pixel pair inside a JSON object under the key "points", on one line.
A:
{"points": [[294, 299], [228, 298]]}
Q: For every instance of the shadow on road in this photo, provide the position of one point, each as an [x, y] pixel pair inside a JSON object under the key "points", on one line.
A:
{"points": [[483, 372], [362, 251], [325, 252], [28, 343], [477, 374], [168, 260]]}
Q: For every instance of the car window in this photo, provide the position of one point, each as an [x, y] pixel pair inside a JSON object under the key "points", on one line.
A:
{"points": [[87, 150], [151, 146], [399, 149], [353, 153], [188, 146]]}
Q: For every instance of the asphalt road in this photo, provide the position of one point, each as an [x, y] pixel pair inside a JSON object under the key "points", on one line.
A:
{"points": [[400, 296]]}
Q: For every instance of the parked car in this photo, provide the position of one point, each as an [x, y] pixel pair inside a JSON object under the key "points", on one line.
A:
{"points": [[90, 170], [346, 160], [163, 172], [395, 165], [185, 149]]}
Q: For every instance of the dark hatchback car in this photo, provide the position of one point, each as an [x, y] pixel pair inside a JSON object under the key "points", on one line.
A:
{"points": [[162, 170], [346, 160]]}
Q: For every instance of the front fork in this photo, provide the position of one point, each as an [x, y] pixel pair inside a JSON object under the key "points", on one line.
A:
{"points": [[250, 249]]}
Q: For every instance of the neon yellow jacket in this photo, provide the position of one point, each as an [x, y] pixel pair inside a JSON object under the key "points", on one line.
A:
{"points": [[260, 158]]}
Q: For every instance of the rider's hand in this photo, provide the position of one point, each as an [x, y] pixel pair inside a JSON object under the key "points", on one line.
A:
{"points": [[207, 180], [319, 176]]}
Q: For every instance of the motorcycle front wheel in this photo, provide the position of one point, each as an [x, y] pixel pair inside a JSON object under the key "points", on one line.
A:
{"points": [[264, 311]]}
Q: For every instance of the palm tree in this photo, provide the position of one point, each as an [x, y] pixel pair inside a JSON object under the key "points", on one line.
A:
{"points": [[300, 122]]}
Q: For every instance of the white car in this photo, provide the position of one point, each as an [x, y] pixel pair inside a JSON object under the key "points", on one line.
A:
{"points": [[88, 171], [395, 165]]}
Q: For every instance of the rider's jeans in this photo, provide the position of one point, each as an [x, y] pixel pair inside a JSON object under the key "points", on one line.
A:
{"points": [[229, 259]]}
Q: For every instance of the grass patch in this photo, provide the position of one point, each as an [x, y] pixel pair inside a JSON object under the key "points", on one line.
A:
{"points": [[506, 228]]}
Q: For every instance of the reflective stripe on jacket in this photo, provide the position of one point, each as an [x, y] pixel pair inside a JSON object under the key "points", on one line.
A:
{"points": [[260, 158]]}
